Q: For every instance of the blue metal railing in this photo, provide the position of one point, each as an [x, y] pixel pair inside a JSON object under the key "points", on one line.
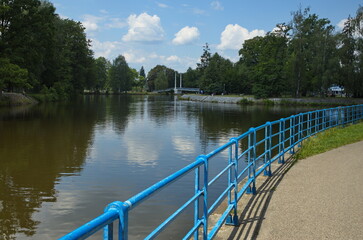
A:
{"points": [[258, 148]]}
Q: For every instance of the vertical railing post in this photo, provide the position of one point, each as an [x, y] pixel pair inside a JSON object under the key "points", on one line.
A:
{"points": [[329, 125], [196, 203], [108, 232], [349, 109], [123, 210], [315, 119], [292, 134], [332, 112], [123, 227], [230, 182], [205, 202], [252, 157], [233, 220], [324, 120], [300, 128], [339, 116], [309, 124], [267, 157], [282, 141]]}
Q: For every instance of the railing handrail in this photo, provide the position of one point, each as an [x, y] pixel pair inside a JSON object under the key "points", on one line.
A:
{"points": [[264, 144]]}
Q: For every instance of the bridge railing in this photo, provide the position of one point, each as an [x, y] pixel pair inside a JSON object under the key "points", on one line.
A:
{"points": [[249, 155]]}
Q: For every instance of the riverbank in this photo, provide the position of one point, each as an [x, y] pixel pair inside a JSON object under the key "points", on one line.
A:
{"points": [[273, 101], [16, 99]]}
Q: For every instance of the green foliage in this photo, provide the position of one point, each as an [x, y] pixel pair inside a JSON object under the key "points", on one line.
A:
{"points": [[154, 74], [102, 65], [351, 54], [246, 101], [190, 78], [215, 78], [120, 75], [312, 49], [264, 59], [331, 139], [142, 72], [12, 77], [161, 82], [302, 58], [205, 58], [54, 52], [268, 102], [139, 85]]}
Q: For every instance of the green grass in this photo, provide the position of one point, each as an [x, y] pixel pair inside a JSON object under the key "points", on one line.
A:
{"points": [[245, 101], [286, 102], [331, 139]]}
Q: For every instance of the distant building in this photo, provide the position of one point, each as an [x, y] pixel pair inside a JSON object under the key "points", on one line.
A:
{"points": [[336, 90]]}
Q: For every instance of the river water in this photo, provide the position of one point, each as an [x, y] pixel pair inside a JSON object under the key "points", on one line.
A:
{"points": [[61, 164]]}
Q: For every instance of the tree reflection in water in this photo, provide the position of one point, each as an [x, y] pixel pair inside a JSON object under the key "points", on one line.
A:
{"points": [[36, 146]]}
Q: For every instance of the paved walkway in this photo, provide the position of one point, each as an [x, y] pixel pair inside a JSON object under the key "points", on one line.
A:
{"points": [[320, 197]]}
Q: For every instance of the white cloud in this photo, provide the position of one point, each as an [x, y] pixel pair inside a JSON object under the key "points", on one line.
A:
{"points": [[139, 56], [103, 11], [155, 56], [144, 28], [132, 57], [341, 24], [91, 22], [186, 35], [234, 36], [173, 58], [63, 16], [217, 5], [162, 5], [106, 49], [116, 23]]}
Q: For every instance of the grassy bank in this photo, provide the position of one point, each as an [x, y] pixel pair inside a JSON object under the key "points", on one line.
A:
{"points": [[331, 139]]}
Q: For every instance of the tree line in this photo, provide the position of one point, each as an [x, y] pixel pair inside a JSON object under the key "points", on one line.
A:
{"points": [[301, 58], [41, 52]]}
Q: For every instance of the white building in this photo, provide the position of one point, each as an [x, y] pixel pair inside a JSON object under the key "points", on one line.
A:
{"points": [[335, 90]]}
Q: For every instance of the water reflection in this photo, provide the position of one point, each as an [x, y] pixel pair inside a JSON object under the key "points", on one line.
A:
{"points": [[119, 110], [182, 145], [60, 164], [36, 147]]}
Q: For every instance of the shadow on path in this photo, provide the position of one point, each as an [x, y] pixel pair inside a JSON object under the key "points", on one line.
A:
{"points": [[252, 208]]}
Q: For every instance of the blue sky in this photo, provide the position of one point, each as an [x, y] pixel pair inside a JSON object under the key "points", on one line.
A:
{"points": [[173, 33]]}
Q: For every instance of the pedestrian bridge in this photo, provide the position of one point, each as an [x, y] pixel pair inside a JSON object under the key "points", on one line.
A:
{"points": [[247, 156], [179, 90]]}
